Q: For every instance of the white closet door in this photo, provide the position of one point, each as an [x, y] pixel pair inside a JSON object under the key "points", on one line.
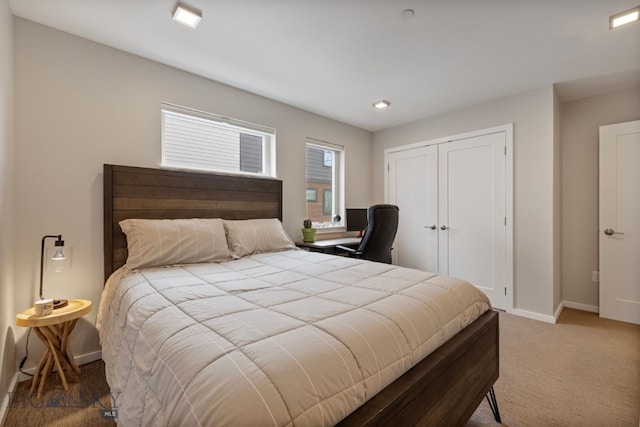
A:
{"points": [[472, 213], [413, 187]]}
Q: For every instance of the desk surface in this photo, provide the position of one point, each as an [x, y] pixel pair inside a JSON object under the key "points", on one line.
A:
{"points": [[325, 244]]}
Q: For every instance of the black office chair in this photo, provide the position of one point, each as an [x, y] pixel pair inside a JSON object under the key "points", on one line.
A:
{"points": [[378, 238]]}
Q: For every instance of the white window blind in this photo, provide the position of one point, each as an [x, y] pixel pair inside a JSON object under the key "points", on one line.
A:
{"points": [[194, 139]]}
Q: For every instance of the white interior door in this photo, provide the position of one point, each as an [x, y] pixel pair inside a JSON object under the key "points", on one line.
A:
{"points": [[620, 222], [413, 187], [472, 225]]}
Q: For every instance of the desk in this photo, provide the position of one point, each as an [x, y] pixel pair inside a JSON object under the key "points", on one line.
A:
{"points": [[329, 246]]}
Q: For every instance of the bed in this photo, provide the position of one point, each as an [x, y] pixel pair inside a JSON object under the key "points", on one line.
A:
{"points": [[438, 381]]}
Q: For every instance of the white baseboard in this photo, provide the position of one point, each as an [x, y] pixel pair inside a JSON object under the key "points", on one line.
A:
{"points": [[558, 311], [533, 315], [583, 307], [556, 315], [4, 405], [81, 359]]}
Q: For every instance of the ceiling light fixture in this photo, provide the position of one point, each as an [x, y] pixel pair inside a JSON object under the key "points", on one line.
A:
{"points": [[626, 17], [382, 104], [187, 15]]}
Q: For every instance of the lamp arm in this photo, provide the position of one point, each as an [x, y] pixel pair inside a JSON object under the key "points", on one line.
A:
{"points": [[59, 237]]}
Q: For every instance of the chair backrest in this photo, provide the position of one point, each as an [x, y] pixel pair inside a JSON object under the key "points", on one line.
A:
{"points": [[381, 231]]}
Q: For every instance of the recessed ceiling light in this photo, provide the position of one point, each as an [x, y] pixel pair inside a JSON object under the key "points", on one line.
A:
{"points": [[382, 104], [187, 15], [626, 17]]}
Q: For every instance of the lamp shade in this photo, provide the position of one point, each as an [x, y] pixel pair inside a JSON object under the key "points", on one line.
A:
{"points": [[58, 255]]}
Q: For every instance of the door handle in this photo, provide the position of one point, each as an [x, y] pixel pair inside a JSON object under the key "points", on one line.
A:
{"points": [[433, 227], [443, 227], [611, 232]]}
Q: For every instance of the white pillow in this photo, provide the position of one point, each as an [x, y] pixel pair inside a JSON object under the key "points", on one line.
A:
{"points": [[157, 242], [250, 236]]}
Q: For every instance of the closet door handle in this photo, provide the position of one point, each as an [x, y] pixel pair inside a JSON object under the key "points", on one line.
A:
{"points": [[611, 232], [443, 227], [433, 227]]}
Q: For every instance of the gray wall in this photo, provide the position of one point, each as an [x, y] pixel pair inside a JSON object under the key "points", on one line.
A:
{"points": [[580, 126], [7, 283], [79, 104], [555, 188], [557, 201], [532, 113]]}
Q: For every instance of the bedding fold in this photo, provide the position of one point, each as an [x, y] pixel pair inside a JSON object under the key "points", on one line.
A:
{"points": [[274, 339]]}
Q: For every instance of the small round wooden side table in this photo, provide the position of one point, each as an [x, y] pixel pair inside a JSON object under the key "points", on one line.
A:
{"points": [[54, 330]]}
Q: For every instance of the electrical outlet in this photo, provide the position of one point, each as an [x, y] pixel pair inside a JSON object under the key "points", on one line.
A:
{"points": [[595, 276]]}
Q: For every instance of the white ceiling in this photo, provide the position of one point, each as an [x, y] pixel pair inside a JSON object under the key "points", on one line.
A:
{"points": [[336, 57]]}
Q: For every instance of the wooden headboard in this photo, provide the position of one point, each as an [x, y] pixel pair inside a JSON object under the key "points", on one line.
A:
{"points": [[133, 192]]}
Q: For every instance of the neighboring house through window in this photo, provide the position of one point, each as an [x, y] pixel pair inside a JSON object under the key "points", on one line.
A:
{"points": [[193, 139], [325, 174]]}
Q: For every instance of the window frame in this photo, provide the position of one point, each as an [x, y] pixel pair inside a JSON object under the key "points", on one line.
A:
{"points": [[268, 140], [337, 187]]}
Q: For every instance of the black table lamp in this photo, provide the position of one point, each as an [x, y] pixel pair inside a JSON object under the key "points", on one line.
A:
{"points": [[58, 255]]}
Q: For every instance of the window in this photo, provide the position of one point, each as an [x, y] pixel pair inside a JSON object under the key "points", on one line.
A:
{"points": [[193, 139], [312, 195], [327, 199], [325, 175], [328, 158]]}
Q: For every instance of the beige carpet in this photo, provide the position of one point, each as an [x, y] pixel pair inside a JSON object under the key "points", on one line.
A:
{"points": [[583, 371], [80, 406]]}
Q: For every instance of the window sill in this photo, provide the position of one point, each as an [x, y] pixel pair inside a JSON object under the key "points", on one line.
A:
{"points": [[328, 230], [217, 172]]}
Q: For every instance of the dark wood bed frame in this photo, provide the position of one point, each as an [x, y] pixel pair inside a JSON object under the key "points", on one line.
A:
{"points": [[445, 388]]}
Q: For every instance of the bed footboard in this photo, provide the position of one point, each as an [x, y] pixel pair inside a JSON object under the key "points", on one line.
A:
{"points": [[443, 389]]}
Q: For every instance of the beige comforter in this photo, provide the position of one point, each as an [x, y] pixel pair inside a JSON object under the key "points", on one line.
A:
{"points": [[285, 338]]}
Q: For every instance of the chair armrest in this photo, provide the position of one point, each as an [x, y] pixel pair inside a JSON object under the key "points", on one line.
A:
{"points": [[352, 252]]}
